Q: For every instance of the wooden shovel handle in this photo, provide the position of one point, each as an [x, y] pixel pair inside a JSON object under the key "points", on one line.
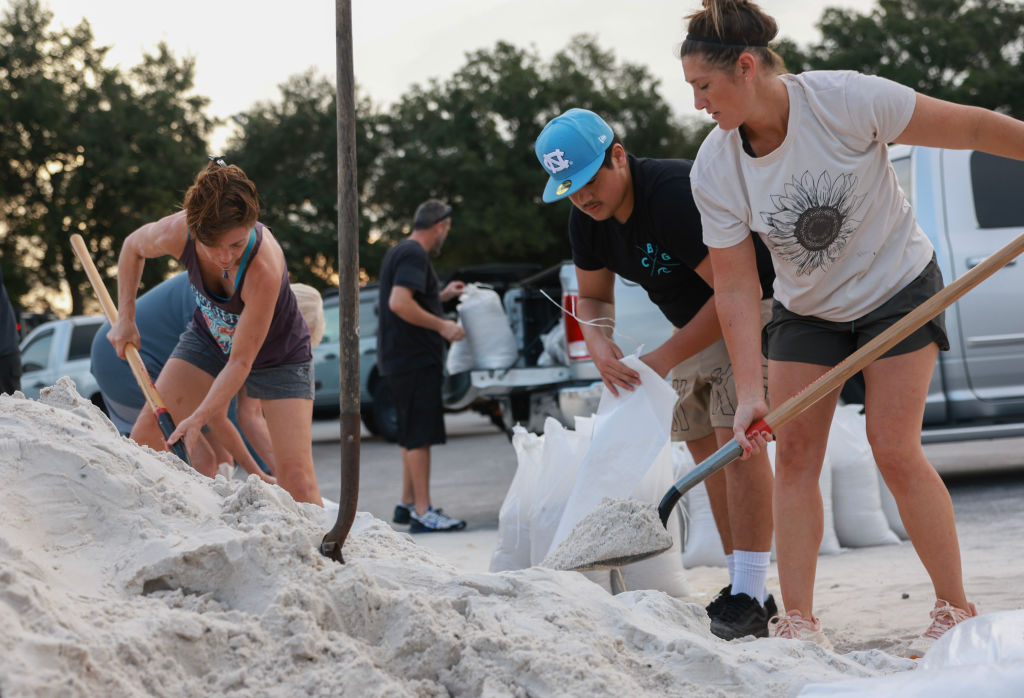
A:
{"points": [[131, 352]]}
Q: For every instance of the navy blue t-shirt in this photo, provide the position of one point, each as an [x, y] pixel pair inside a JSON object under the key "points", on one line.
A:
{"points": [[402, 346], [660, 245]]}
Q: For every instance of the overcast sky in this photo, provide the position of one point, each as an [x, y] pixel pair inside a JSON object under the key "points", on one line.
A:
{"points": [[244, 50]]}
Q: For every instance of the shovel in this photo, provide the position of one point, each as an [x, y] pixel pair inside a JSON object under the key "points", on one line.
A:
{"points": [[131, 352], [842, 371]]}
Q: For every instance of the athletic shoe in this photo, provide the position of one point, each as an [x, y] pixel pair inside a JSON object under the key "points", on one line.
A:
{"points": [[401, 515], [944, 616], [713, 607], [794, 626], [433, 520], [739, 615]]}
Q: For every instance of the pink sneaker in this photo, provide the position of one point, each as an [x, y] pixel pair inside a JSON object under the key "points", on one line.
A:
{"points": [[944, 616], [793, 626]]}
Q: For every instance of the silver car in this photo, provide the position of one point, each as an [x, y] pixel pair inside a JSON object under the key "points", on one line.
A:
{"points": [[60, 348]]}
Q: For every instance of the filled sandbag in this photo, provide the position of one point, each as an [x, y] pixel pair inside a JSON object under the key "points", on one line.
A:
{"points": [[856, 501], [513, 551], [487, 328]]}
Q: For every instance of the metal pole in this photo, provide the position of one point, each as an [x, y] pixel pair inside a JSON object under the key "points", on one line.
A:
{"points": [[348, 286]]}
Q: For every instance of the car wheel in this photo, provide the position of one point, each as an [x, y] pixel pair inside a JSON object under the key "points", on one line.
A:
{"points": [[385, 416], [368, 421]]}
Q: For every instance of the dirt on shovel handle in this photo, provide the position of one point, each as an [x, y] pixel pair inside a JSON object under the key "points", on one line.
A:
{"points": [[618, 532]]}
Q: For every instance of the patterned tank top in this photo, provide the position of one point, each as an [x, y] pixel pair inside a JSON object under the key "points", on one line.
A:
{"points": [[215, 318]]}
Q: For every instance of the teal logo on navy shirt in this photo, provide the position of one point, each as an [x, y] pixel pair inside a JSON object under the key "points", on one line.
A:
{"points": [[655, 261]]}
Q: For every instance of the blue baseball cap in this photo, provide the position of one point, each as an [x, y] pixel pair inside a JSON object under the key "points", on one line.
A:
{"points": [[571, 150]]}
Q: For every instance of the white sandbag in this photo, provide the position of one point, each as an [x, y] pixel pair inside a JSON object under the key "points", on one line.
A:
{"points": [[555, 352], [664, 572], [487, 328], [460, 356], [701, 545], [513, 551], [891, 511], [992, 638], [856, 502], [563, 451], [983, 656], [630, 431]]}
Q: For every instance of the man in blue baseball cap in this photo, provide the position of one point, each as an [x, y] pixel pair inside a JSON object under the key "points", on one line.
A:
{"points": [[636, 217]]}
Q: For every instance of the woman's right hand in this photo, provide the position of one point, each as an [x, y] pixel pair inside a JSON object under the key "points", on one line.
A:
{"points": [[122, 333], [747, 413]]}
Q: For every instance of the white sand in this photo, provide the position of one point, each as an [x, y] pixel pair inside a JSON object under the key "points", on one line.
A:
{"points": [[618, 531], [122, 572]]}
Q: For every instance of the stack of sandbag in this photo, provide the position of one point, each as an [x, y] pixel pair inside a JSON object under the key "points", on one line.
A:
{"points": [[489, 342], [859, 511], [623, 449]]}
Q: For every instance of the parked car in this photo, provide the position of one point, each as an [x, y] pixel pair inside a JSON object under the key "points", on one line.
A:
{"points": [[60, 348]]}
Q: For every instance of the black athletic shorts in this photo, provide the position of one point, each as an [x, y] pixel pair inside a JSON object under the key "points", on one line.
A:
{"points": [[417, 398], [807, 339]]}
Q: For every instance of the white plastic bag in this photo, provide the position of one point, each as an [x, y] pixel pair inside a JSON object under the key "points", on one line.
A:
{"points": [[664, 572], [487, 328], [629, 432], [460, 356], [856, 502], [701, 543], [563, 451], [513, 551]]}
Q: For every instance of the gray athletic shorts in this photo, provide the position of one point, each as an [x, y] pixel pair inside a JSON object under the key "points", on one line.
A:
{"points": [[270, 383], [811, 340]]}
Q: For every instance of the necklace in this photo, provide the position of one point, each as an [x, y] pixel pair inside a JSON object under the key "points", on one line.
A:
{"points": [[225, 273]]}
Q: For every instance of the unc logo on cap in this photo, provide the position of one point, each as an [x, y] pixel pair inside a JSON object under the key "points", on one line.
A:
{"points": [[555, 161]]}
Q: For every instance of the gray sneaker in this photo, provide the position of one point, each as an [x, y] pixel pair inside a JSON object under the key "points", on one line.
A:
{"points": [[433, 520]]}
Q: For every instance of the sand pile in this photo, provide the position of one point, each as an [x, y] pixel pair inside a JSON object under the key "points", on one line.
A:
{"points": [[122, 572]]}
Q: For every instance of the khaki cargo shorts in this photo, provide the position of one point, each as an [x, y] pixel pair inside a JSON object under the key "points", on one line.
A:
{"points": [[706, 389]]}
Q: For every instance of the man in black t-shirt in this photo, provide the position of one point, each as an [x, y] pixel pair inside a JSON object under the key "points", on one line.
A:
{"points": [[636, 217], [411, 338]]}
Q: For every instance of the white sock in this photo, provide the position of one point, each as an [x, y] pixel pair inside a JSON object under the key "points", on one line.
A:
{"points": [[750, 574], [729, 563]]}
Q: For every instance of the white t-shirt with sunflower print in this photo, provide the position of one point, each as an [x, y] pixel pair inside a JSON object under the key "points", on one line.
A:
{"points": [[826, 202]]}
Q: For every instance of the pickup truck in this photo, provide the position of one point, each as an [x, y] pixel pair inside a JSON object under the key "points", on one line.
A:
{"points": [[968, 203]]}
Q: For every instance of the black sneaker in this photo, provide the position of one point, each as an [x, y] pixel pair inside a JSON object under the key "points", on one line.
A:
{"points": [[740, 615], [433, 520], [402, 512], [713, 607]]}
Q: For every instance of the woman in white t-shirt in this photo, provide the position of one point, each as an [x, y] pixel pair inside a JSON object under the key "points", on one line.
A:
{"points": [[802, 161]]}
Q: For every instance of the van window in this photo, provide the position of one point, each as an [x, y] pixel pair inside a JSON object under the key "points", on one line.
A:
{"points": [[81, 340], [902, 169], [998, 185]]}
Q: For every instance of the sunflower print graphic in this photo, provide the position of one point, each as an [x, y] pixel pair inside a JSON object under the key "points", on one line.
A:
{"points": [[813, 220]]}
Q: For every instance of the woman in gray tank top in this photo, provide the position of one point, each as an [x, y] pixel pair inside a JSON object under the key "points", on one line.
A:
{"points": [[247, 330]]}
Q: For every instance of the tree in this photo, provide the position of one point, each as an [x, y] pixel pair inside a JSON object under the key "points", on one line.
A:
{"points": [[289, 148], [967, 52], [467, 139], [87, 149]]}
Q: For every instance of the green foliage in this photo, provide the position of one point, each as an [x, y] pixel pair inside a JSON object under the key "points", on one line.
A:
{"points": [[467, 139], [86, 148], [289, 148], [966, 52]]}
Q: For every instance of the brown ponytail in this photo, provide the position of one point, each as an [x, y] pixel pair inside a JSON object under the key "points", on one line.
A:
{"points": [[726, 28], [222, 198]]}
